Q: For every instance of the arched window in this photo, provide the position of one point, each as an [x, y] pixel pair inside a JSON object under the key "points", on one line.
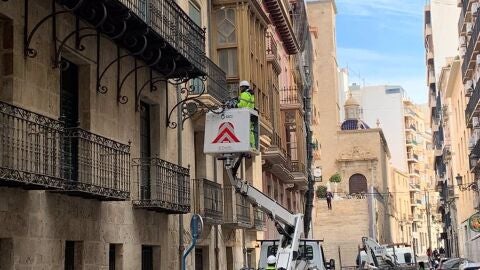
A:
{"points": [[357, 184]]}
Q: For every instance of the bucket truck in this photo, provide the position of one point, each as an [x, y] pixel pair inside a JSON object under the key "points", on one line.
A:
{"points": [[228, 136]]}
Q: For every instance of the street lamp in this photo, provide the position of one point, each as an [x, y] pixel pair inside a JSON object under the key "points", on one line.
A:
{"points": [[464, 187]]}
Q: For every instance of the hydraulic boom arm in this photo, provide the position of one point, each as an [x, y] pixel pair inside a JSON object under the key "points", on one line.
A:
{"points": [[289, 225]]}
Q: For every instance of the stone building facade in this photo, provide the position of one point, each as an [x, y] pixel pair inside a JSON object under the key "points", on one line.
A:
{"points": [[362, 196], [101, 158]]}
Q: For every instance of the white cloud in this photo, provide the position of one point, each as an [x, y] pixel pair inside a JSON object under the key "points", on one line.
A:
{"points": [[410, 8]]}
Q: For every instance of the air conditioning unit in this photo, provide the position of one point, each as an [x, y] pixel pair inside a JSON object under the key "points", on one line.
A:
{"points": [[469, 28]]}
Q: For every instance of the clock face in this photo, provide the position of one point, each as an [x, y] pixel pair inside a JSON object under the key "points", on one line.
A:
{"points": [[474, 222]]}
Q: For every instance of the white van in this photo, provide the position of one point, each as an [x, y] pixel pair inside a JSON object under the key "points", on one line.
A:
{"points": [[402, 253]]}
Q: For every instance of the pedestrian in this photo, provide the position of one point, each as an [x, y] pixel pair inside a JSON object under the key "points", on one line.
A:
{"points": [[247, 100], [442, 251], [421, 266], [329, 199], [271, 260]]}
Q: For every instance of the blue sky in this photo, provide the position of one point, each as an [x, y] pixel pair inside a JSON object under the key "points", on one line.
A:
{"points": [[381, 42]]}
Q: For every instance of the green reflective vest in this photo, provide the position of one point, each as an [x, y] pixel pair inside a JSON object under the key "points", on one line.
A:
{"points": [[270, 267], [246, 100]]}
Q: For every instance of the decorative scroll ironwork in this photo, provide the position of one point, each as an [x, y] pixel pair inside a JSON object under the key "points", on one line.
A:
{"points": [[162, 186], [190, 103], [467, 187], [28, 35]]}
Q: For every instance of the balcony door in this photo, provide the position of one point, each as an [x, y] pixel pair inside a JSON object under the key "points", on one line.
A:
{"points": [[69, 116], [145, 153]]}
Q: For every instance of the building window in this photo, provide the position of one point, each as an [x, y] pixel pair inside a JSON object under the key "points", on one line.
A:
{"points": [[6, 253], [147, 258], [150, 257], [195, 13], [145, 150], [228, 61], [73, 255], [115, 256], [226, 26], [357, 184]]}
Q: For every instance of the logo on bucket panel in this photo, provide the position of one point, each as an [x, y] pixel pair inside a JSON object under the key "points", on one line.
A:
{"points": [[226, 134]]}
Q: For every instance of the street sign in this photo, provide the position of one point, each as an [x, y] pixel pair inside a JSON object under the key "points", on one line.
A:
{"points": [[196, 226], [317, 172]]}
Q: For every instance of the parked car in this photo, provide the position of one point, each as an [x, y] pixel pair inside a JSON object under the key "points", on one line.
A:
{"points": [[452, 264], [469, 266]]}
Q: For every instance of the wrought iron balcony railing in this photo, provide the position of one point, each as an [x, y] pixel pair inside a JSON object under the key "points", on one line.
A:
{"points": [[237, 209], [469, 54], [95, 166], [162, 186], [472, 105], [38, 152], [259, 220], [30, 149], [208, 200], [175, 26], [298, 166], [272, 52], [291, 96], [216, 84]]}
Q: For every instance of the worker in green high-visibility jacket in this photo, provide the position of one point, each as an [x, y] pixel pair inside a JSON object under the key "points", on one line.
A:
{"points": [[247, 100]]}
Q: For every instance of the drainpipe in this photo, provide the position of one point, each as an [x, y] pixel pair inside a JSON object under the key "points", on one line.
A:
{"points": [[181, 246]]}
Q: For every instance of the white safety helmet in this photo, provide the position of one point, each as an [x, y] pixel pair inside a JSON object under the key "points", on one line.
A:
{"points": [[271, 259], [245, 83]]}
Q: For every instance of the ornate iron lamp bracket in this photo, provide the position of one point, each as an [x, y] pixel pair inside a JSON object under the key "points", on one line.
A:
{"points": [[191, 104], [472, 186]]}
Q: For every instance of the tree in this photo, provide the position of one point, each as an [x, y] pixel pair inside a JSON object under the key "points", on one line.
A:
{"points": [[336, 178], [321, 192]]}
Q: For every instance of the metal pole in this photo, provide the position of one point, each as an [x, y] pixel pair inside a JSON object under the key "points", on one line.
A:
{"points": [[428, 220], [181, 247]]}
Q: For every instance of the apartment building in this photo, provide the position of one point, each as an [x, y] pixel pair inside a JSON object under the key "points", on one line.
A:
{"points": [[101, 156]]}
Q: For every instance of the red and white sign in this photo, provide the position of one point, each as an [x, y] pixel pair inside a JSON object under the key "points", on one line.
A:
{"points": [[228, 132]]}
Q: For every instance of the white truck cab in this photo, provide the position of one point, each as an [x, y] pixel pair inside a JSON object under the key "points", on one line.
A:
{"points": [[311, 255]]}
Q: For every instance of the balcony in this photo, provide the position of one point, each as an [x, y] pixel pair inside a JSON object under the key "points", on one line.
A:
{"points": [[414, 173], [415, 188], [410, 128], [215, 92], [162, 186], [94, 166], [473, 105], [237, 209], [37, 152], [472, 49], [279, 14], [415, 202], [299, 172], [160, 25], [30, 149], [411, 142], [272, 53], [277, 160], [412, 158], [208, 200], [259, 220], [291, 98]]}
